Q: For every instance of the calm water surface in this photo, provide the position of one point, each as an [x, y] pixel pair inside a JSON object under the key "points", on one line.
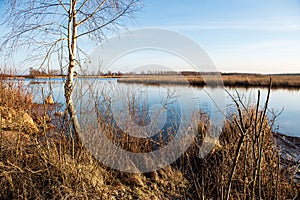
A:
{"points": [[287, 101]]}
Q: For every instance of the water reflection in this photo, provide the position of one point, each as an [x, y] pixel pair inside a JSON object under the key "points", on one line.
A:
{"points": [[281, 99]]}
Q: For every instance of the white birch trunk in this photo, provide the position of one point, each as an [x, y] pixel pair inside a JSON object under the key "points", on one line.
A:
{"points": [[72, 33]]}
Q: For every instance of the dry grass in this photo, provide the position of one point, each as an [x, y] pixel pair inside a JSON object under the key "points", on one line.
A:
{"points": [[235, 80], [44, 165], [250, 179], [15, 96], [278, 81]]}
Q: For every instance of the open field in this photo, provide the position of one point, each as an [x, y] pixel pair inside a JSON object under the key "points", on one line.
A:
{"points": [[230, 80]]}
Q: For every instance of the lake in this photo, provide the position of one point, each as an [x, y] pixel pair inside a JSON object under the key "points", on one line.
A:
{"points": [[173, 96]]}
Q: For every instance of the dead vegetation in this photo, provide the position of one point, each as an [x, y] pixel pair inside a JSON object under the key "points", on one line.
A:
{"points": [[230, 80], [47, 165], [247, 163]]}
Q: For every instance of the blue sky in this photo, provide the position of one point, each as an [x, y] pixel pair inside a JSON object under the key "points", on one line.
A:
{"points": [[239, 35]]}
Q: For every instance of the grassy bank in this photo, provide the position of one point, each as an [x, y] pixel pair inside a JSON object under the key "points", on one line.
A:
{"points": [[230, 80], [40, 162]]}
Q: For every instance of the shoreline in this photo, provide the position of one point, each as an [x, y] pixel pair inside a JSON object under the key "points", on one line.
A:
{"points": [[245, 80], [228, 80], [47, 77]]}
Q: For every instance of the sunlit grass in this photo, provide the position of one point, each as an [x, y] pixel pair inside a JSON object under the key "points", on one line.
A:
{"points": [[236, 80], [48, 165]]}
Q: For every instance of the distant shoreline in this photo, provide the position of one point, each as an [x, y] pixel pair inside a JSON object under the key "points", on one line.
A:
{"points": [[290, 81], [245, 80], [56, 76]]}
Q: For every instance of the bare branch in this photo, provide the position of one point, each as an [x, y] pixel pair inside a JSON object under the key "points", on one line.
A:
{"points": [[63, 5], [41, 25], [83, 4], [92, 14], [50, 50], [105, 24]]}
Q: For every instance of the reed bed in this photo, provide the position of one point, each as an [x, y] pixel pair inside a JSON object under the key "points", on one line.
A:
{"points": [[235, 80]]}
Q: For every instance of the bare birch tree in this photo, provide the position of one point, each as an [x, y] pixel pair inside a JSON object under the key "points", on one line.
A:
{"points": [[51, 29]]}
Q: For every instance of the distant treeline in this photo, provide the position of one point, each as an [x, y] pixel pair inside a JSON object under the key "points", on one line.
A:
{"points": [[33, 73], [43, 72]]}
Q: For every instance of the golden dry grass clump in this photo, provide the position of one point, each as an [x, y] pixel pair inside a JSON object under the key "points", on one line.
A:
{"points": [[15, 96], [33, 169], [245, 164]]}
